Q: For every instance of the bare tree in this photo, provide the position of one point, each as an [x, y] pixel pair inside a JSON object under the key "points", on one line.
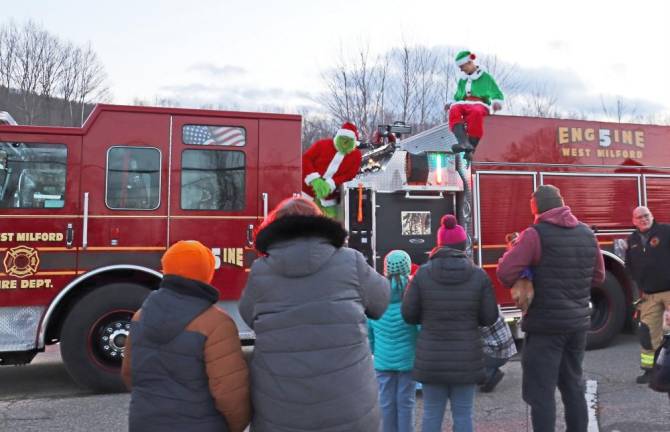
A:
{"points": [[427, 89], [38, 70], [315, 127], [618, 110], [448, 76], [579, 114], [355, 90], [67, 84], [53, 62], [403, 94], [8, 48], [655, 119], [539, 101], [26, 74], [91, 79], [414, 87]]}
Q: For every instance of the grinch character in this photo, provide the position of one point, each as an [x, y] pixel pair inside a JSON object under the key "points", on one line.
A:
{"points": [[327, 164], [477, 95]]}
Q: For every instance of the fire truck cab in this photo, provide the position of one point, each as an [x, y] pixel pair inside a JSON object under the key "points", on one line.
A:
{"points": [[86, 214]]}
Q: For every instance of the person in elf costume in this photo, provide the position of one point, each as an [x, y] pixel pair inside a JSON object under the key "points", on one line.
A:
{"points": [[477, 95], [327, 164]]}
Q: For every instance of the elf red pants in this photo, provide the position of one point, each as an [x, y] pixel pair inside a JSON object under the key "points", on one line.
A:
{"points": [[470, 114]]}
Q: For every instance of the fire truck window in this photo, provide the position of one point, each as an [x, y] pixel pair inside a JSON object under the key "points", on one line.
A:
{"points": [[231, 136], [133, 178], [212, 180], [32, 175]]}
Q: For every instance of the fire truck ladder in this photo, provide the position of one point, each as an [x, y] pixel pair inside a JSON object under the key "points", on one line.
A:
{"points": [[440, 139], [466, 204]]}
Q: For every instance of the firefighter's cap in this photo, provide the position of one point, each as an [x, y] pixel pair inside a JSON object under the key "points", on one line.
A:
{"points": [[189, 259]]}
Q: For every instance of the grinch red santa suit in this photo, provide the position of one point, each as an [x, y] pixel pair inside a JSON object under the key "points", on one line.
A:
{"points": [[477, 95], [327, 164]]}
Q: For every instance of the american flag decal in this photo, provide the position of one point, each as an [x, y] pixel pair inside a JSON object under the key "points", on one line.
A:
{"points": [[231, 136]]}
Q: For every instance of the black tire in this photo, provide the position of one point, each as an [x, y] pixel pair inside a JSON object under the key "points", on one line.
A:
{"points": [[93, 361], [608, 312]]}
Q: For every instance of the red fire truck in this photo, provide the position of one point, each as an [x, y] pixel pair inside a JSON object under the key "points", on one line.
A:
{"points": [[86, 213], [604, 171]]}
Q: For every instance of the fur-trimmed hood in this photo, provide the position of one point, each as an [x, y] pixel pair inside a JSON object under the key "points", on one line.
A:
{"points": [[300, 245], [293, 227]]}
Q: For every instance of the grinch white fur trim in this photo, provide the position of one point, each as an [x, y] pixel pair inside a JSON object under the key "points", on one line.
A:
{"points": [[331, 183], [347, 133], [329, 202], [307, 196], [310, 177], [333, 166], [471, 102]]}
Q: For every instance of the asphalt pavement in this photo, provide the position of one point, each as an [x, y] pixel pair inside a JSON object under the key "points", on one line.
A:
{"points": [[41, 397]]}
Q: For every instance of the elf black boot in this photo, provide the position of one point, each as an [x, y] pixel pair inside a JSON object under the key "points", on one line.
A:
{"points": [[473, 142], [462, 137]]}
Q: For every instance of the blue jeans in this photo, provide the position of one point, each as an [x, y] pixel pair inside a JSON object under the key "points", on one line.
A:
{"points": [[397, 396], [435, 399], [492, 365]]}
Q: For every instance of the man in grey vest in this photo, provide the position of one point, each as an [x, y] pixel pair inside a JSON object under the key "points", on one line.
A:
{"points": [[562, 257]]}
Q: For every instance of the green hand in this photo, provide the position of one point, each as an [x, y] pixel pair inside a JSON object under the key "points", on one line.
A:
{"points": [[330, 211], [320, 188]]}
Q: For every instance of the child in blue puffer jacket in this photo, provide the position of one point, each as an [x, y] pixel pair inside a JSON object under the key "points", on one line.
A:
{"points": [[393, 343]]}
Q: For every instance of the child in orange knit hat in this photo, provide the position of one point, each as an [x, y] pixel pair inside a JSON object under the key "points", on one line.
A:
{"points": [[189, 259], [186, 371]]}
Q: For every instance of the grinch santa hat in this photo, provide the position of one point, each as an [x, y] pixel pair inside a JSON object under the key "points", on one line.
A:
{"points": [[463, 57], [348, 130]]}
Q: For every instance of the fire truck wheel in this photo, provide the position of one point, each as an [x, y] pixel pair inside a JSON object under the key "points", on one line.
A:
{"points": [[608, 312], [94, 334]]}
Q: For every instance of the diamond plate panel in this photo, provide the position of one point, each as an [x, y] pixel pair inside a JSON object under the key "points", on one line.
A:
{"points": [[18, 327]]}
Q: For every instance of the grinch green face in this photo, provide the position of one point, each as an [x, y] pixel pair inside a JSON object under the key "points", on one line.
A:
{"points": [[344, 144]]}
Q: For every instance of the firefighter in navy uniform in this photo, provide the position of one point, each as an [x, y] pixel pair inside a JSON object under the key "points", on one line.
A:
{"points": [[647, 260]]}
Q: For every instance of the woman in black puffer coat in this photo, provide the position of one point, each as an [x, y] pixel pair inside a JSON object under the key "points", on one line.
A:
{"points": [[450, 297]]}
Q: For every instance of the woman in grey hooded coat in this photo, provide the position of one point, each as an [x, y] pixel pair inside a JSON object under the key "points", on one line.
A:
{"points": [[308, 299]]}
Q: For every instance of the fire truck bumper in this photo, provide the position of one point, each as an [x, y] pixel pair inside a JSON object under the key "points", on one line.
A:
{"points": [[247, 336]]}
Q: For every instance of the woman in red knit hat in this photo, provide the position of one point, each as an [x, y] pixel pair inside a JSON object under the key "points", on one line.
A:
{"points": [[451, 298]]}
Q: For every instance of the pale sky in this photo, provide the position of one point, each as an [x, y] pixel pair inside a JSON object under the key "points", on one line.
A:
{"points": [[257, 53]]}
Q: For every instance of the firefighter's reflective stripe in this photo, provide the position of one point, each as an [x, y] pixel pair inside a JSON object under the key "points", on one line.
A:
{"points": [[647, 360]]}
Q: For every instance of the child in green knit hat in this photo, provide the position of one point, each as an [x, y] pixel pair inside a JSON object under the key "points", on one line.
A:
{"points": [[393, 344]]}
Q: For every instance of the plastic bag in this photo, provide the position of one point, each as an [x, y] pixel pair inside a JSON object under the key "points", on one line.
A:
{"points": [[660, 374]]}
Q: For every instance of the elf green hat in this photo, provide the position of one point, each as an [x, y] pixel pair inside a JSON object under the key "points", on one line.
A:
{"points": [[463, 57]]}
